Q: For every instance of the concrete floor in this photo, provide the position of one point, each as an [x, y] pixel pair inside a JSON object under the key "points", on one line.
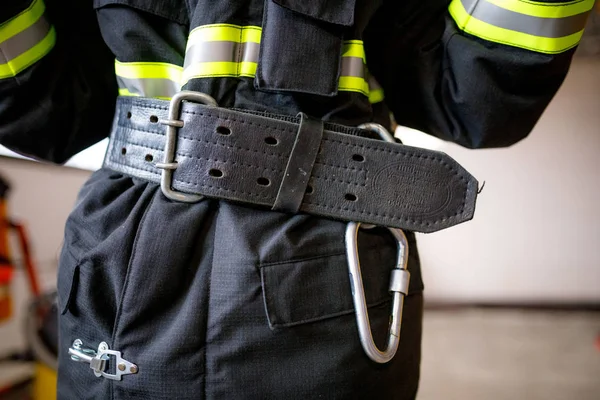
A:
{"points": [[496, 354], [490, 354]]}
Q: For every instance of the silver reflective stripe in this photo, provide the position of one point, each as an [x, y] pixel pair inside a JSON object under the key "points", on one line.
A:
{"points": [[353, 66], [18, 44], [149, 87], [514, 21], [222, 51]]}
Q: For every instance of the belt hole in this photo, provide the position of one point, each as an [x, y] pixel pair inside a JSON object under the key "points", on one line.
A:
{"points": [[350, 197], [309, 189], [153, 119], [128, 114], [358, 158], [216, 173], [271, 141], [262, 181], [149, 158], [223, 130], [123, 151]]}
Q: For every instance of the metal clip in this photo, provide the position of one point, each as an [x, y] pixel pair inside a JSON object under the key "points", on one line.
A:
{"points": [[99, 360], [399, 280], [173, 123]]}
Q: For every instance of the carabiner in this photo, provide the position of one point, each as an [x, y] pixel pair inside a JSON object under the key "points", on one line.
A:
{"points": [[399, 281]]}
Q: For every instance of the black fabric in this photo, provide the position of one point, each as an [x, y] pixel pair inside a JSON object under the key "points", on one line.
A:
{"points": [[60, 106], [300, 165], [340, 12], [13, 8], [227, 154], [456, 86], [187, 291], [289, 65], [219, 301]]}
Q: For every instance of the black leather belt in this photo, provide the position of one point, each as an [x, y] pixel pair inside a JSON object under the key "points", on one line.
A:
{"points": [[291, 164]]}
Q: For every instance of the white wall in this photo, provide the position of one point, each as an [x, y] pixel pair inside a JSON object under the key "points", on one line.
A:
{"points": [[536, 232]]}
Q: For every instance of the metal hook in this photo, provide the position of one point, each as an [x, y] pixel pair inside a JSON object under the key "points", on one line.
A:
{"points": [[380, 130], [399, 281]]}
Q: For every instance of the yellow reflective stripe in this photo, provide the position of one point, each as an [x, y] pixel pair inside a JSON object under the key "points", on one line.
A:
{"points": [[223, 62], [545, 10], [149, 79], [22, 21], [224, 33], [493, 33], [126, 92], [220, 69], [248, 69], [148, 70], [29, 57], [354, 48], [353, 84], [211, 69], [375, 96]]}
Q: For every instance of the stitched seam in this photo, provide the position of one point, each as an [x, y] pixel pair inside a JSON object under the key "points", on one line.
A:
{"points": [[323, 178], [243, 122], [195, 184], [393, 217], [185, 155], [327, 316], [278, 155], [400, 153], [298, 260], [341, 167]]}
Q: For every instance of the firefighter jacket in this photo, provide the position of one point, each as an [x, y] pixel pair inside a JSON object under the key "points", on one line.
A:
{"points": [[478, 73]]}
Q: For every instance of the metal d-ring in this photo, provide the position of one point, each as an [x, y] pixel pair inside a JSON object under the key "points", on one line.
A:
{"points": [[173, 123]]}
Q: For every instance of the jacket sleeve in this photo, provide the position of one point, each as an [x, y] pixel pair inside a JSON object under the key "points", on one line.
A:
{"points": [[475, 72], [57, 82]]}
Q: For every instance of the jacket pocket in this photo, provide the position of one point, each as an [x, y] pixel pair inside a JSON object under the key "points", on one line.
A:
{"points": [[309, 290], [68, 276]]}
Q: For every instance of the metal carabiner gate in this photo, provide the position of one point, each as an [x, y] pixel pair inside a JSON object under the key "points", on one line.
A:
{"points": [[399, 281]]}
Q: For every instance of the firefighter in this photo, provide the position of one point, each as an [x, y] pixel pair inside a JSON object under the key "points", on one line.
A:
{"points": [[209, 257]]}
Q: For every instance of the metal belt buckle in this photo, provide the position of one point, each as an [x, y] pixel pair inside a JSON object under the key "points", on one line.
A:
{"points": [[173, 123], [399, 281]]}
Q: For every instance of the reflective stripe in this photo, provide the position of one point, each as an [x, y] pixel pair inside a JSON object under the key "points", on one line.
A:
{"points": [[24, 40], [546, 28], [148, 79], [352, 74], [224, 50], [545, 10], [354, 48], [376, 94]]}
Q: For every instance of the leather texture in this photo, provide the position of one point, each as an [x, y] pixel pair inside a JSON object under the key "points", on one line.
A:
{"points": [[300, 164], [242, 157]]}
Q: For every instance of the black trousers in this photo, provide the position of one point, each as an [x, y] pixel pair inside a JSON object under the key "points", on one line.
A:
{"points": [[220, 301]]}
